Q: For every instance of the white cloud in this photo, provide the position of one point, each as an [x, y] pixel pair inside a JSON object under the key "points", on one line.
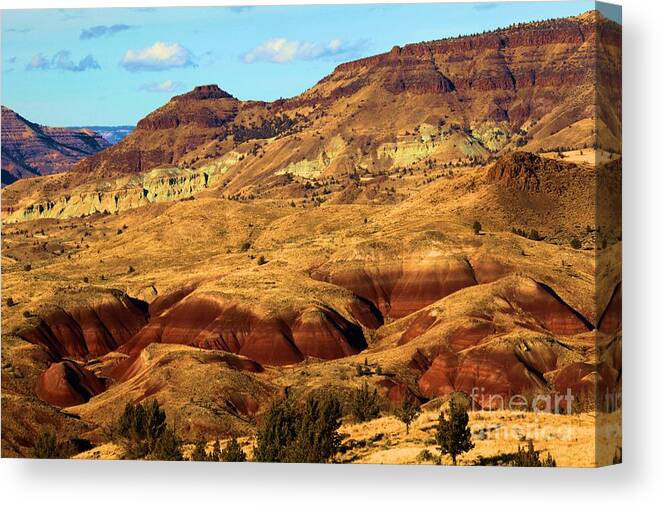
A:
{"points": [[282, 50], [167, 86], [160, 56]]}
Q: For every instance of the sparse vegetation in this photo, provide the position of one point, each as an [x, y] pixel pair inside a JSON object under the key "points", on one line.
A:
{"points": [[532, 235], [477, 227]]}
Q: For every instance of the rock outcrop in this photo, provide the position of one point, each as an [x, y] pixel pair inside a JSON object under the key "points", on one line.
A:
{"points": [[400, 287], [210, 322], [86, 331], [31, 150], [66, 383]]}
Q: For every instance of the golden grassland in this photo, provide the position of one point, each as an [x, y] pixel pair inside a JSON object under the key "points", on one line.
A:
{"points": [[570, 439]]}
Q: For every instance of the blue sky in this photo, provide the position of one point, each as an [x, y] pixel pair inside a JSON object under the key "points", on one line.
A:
{"points": [[113, 66]]}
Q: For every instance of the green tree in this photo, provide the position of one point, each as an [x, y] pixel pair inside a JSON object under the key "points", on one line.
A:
{"points": [[407, 413], [167, 447], [199, 452], [365, 404], [140, 428], [45, 447], [306, 435], [276, 432], [317, 439], [215, 451], [477, 227], [154, 423], [453, 436], [232, 452]]}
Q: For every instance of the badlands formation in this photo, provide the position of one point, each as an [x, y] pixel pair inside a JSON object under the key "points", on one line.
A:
{"points": [[227, 251]]}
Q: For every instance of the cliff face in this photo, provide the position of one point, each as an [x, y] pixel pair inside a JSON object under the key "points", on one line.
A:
{"points": [[30, 150]]}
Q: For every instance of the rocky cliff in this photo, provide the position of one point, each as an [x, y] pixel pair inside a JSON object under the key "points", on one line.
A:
{"points": [[31, 150]]}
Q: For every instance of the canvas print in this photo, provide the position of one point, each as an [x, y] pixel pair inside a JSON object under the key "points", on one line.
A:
{"points": [[317, 234]]}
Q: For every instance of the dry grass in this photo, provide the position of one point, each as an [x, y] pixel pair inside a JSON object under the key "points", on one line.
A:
{"points": [[570, 439]]}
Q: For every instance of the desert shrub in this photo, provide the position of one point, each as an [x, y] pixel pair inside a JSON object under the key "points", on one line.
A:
{"points": [[245, 246], [453, 436], [365, 404], [407, 413], [45, 447], [28, 267], [261, 260], [477, 227], [534, 235], [11, 302], [529, 457], [425, 455], [576, 244], [232, 452]]}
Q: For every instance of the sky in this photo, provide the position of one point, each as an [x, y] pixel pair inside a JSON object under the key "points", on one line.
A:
{"points": [[66, 67]]}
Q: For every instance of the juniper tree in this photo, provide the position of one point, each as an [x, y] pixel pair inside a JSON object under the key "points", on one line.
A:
{"points": [[453, 436], [276, 432], [167, 447], [365, 404], [317, 439], [199, 452], [407, 413], [140, 428], [232, 452]]}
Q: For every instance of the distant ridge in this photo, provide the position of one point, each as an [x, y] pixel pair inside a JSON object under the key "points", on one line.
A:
{"points": [[29, 149]]}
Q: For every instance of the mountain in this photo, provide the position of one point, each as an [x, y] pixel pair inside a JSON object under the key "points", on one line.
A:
{"points": [[439, 103], [111, 134], [30, 150]]}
